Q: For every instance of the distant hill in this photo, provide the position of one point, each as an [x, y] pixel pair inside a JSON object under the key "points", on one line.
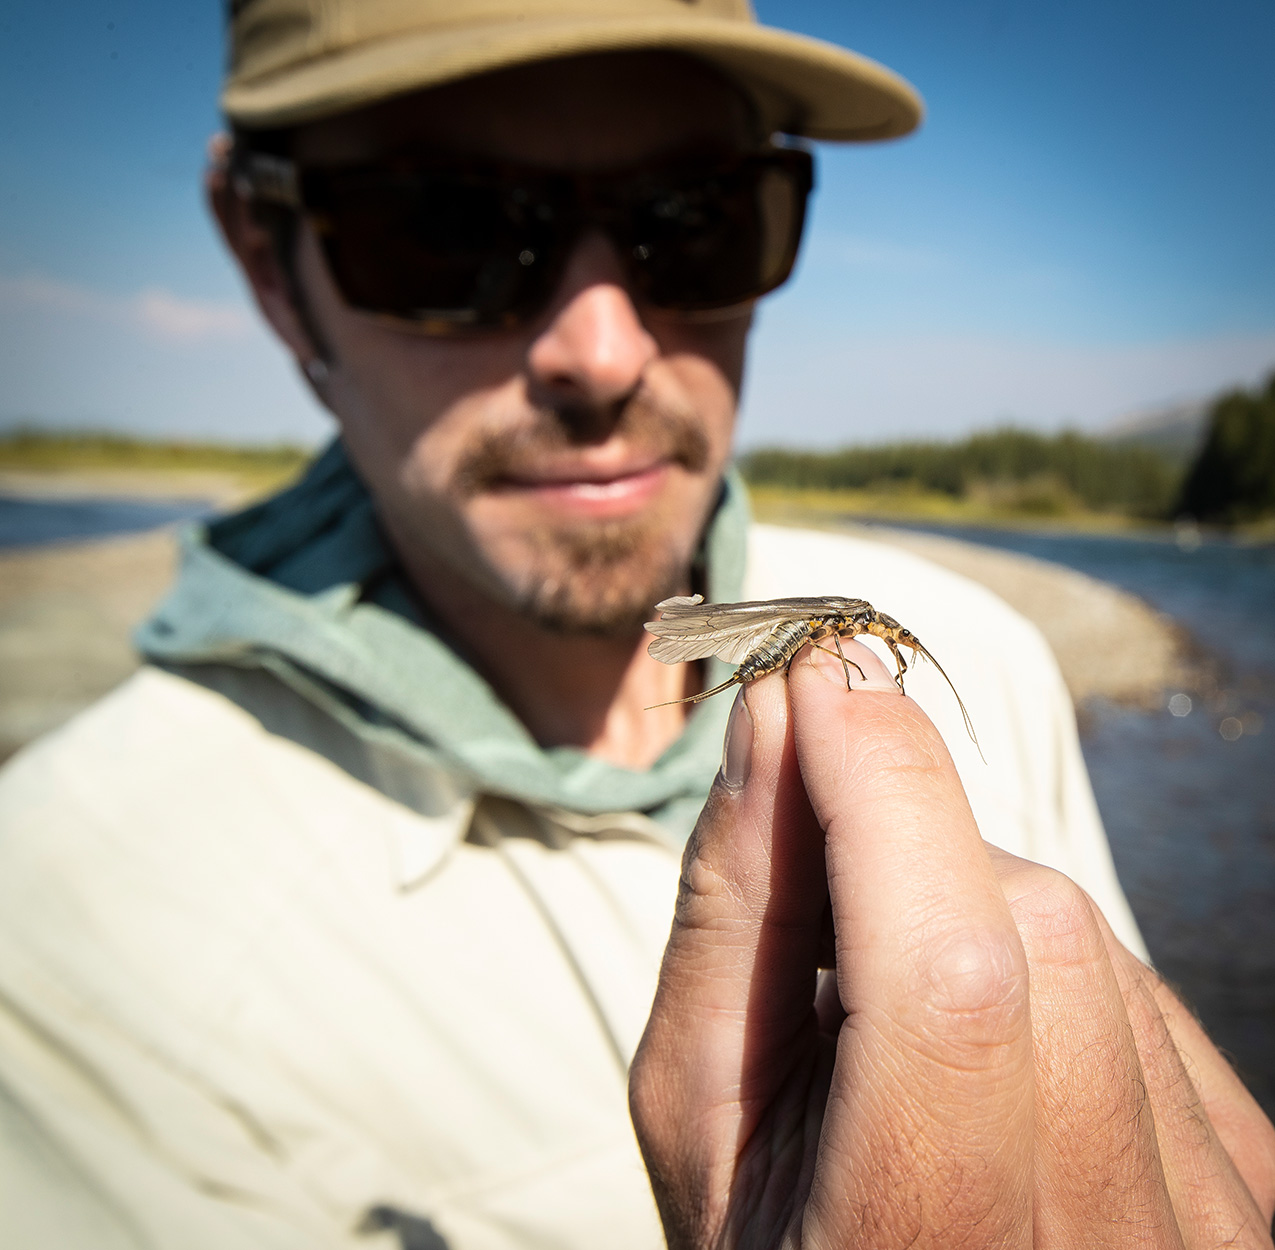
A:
{"points": [[1176, 431]]}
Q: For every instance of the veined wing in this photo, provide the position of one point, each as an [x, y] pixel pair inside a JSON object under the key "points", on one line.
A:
{"points": [[691, 629]]}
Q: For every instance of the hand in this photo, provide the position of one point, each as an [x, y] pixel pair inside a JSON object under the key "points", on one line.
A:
{"points": [[985, 1065]]}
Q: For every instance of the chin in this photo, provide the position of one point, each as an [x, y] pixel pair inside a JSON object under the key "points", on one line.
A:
{"points": [[601, 580]]}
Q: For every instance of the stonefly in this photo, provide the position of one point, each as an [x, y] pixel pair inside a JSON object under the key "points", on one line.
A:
{"points": [[765, 635]]}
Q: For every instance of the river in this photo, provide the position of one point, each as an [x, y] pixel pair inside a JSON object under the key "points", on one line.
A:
{"points": [[1188, 793], [28, 522]]}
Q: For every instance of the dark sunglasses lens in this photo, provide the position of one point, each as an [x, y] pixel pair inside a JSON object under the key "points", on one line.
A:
{"points": [[722, 238], [452, 252], [449, 250]]}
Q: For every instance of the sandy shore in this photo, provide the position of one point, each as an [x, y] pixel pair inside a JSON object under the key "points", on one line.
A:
{"points": [[66, 611]]}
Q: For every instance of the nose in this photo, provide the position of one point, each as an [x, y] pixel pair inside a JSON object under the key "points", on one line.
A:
{"points": [[594, 349]]}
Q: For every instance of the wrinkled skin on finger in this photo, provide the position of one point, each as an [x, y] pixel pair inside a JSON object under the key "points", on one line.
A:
{"points": [[984, 1065], [733, 1046], [1131, 1102]]}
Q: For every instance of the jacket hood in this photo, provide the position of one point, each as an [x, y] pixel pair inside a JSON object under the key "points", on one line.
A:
{"points": [[305, 587]]}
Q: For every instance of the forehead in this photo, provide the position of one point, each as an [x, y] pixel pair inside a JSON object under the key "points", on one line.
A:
{"points": [[582, 112]]}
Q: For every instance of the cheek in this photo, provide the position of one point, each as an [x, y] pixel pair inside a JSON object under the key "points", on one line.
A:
{"points": [[711, 394], [393, 388], [406, 390], [399, 431], [707, 359]]}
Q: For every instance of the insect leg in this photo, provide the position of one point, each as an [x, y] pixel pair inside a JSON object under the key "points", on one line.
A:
{"points": [[841, 655], [899, 660], [844, 661]]}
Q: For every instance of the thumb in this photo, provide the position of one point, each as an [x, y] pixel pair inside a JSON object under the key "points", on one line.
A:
{"points": [[733, 1011]]}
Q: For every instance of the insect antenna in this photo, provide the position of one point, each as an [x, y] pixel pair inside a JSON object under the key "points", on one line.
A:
{"points": [[969, 724], [732, 680]]}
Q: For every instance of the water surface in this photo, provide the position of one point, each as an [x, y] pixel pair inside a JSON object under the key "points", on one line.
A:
{"points": [[1189, 799], [26, 522]]}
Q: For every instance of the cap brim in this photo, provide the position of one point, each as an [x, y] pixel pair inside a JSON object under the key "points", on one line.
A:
{"points": [[803, 86]]}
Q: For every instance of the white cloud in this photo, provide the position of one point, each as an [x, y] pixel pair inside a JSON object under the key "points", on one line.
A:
{"points": [[172, 317], [154, 310], [151, 363]]}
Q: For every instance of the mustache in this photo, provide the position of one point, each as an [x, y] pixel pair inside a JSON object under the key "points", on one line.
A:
{"points": [[648, 426]]}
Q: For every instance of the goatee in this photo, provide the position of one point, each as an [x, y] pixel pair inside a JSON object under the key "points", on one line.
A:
{"points": [[603, 577]]}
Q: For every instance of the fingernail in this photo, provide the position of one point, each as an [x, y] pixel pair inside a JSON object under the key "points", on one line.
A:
{"points": [[737, 749]]}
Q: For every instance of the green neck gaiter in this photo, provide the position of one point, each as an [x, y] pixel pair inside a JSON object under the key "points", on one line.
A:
{"points": [[305, 586]]}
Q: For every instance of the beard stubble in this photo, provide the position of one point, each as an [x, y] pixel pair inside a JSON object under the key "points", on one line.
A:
{"points": [[600, 578]]}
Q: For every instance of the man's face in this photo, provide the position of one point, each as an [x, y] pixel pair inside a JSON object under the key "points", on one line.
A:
{"points": [[565, 469]]}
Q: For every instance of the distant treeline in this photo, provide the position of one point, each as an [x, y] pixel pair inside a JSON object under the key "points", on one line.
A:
{"points": [[30, 448], [1233, 477], [1022, 471]]}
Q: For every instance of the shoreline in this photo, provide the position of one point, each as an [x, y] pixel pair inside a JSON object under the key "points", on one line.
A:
{"points": [[825, 509], [226, 487], [1109, 643], [67, 608], [222, 489]]}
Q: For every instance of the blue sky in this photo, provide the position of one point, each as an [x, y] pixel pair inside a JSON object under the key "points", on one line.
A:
{"points": [[1082, 227]]}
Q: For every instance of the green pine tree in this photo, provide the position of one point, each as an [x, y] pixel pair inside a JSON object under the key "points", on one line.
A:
{"points": [[1233, 477]]}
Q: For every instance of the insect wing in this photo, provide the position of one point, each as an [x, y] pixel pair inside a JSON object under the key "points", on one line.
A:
{"points": [[731, 645], [690, 629]]}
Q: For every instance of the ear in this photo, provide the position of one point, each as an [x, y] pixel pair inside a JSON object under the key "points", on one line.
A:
{"points": [[253, 247]]}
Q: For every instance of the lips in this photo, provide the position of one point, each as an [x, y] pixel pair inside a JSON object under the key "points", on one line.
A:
{"points": [[589, 490]]}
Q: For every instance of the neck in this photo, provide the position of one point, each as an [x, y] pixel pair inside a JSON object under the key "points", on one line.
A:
{"points": [[567, 689]]}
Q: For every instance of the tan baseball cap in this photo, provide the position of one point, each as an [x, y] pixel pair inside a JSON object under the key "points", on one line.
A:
{"points": [[293, 61]]}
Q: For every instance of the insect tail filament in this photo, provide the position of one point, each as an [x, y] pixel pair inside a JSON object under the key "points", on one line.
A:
{"points": [[733, 680]]}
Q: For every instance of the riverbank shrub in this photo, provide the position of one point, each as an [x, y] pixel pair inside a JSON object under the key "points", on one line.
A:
{"points": [[1038, 474], [1233, 477]]}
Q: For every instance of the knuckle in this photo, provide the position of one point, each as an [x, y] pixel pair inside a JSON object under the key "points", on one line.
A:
{"points": [[971, 1006], [646, 1103], [658, 1095], [703, 891], [673, 1162], [1056, 920], [977, 972]]}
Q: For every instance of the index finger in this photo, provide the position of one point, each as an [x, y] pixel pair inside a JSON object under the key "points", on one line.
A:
{"points": [[932, 1095]]}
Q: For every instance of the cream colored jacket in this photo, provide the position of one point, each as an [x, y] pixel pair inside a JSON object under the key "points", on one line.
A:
{"points": [[249, 1001]]}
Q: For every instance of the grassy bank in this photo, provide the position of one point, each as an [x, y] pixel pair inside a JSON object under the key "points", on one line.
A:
{"points": [[1004, 472], [1007, 478], [1012, 476], [96, 456], [788, 505]]}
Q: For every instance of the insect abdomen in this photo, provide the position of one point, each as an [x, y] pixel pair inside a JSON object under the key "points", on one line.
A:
{"points": [[776, 651]]}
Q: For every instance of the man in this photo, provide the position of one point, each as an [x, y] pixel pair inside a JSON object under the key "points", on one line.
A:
{"points": [[341, 922]]}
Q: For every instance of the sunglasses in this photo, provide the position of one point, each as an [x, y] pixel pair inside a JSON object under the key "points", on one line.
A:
{"points": [[455, 247]]}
